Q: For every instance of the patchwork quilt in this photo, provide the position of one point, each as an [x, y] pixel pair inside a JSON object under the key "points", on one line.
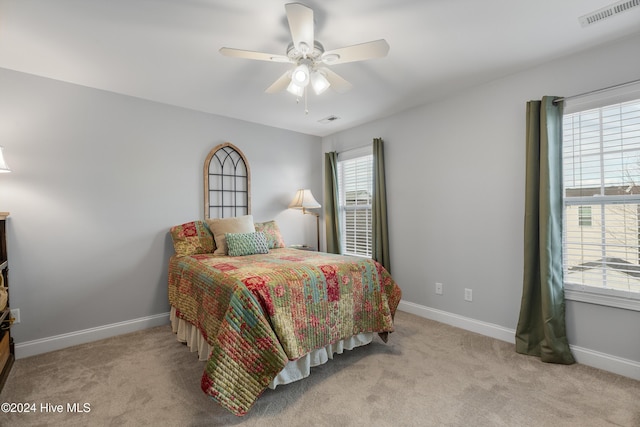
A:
{"points": [[260, 311]]}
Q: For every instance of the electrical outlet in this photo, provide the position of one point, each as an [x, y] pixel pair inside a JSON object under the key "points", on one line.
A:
{"points": [[15, 315], [438, 288], [468, 294]]}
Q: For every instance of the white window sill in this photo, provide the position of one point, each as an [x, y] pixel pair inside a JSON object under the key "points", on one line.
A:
{"points": [[601, 297], [356, 255]]}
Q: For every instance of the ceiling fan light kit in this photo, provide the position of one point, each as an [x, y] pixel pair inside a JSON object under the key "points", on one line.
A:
{"points": [[309, 57], [300, 75], [319, 82], [295, 89]]}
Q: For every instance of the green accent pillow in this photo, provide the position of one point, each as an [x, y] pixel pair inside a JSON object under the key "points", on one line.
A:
{"points": [[240, 244], [272, 233], [192, 238]]}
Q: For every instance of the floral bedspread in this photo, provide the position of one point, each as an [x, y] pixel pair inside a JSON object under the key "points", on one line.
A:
{"points": [[260, 311]]}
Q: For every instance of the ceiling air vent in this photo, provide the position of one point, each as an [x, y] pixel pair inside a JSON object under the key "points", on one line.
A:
{"points": [[608, 12], [334, 118]]}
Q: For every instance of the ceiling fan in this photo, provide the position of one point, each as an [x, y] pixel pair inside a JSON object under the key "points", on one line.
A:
{"points": [[309, 57]]}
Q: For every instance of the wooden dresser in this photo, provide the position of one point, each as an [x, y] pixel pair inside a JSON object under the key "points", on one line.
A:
{"points": [[7, 351]]}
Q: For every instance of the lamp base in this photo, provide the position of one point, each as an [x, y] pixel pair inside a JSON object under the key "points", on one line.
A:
{"points": [[304, 211]]}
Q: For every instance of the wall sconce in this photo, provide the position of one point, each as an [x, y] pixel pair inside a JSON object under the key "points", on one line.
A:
{"points": [[304, 200]]}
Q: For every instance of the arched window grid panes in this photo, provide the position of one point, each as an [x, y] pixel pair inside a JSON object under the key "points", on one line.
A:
{"points": [[227, 183]]}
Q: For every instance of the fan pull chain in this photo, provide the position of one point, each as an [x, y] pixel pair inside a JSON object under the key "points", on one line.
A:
{"points": [[306, 108]]}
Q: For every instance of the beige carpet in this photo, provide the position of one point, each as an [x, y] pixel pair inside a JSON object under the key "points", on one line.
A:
{"points": [[429, 374]]}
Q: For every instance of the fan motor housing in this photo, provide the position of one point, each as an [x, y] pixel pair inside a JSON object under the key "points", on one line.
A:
{"points": [[295, 55]]}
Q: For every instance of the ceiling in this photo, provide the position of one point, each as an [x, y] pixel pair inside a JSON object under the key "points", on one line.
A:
{"points": [[167, 50]]}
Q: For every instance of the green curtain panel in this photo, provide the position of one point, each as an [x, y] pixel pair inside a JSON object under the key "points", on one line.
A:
{"points": [[541, 327], [331, 205], [380, 233]]}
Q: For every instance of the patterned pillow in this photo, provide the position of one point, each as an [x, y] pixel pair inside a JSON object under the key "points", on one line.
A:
{"points": [[220, 226], [240, 244], [272, 232], [192, 238]]}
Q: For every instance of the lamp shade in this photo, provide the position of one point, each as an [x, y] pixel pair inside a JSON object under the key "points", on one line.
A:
{"points": [[304, 200], [3, 165], [295, 89], [319, 82], [300, 75]]}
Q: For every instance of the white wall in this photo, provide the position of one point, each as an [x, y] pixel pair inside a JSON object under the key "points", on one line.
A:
{"points": [[99, 178], [455, 181]]}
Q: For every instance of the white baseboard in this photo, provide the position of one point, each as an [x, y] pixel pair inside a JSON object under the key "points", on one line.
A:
{"points": [[606, 362], [488, 329], [57, 342], [585, 356]]}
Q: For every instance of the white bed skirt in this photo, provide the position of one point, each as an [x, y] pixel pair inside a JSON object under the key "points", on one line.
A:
{"points": [[294, 370]]}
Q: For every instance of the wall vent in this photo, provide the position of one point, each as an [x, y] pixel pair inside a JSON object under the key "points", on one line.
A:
{"points": [[608, 12]]}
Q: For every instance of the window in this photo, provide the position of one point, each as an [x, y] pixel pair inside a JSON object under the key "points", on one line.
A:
{"points": [[601, 168], [355, 187]]}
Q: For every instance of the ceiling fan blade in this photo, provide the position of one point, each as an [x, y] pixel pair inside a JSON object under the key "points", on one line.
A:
{"points": [[300, 19], [358, 52], [248, 54], [338, 84], [280, 84]]}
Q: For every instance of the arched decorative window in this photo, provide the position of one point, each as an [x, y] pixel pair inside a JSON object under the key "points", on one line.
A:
{"points": [[227, 183]]}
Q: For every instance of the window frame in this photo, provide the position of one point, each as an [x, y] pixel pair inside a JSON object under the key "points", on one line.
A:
{"points": [[348, 156], [590, 294]]}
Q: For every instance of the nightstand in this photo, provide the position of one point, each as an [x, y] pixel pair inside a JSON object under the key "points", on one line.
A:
{"points": [[303, 247]]}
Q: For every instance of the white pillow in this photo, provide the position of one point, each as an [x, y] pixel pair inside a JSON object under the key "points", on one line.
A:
{"points": [[220, 226]]}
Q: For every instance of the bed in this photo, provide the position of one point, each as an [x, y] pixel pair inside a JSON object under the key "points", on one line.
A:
{"points": [[261, 314]]}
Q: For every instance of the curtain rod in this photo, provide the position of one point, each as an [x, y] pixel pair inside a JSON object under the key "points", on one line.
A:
{"points": [[561, 99]]}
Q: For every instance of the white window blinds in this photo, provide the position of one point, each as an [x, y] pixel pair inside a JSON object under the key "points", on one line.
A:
{"points": [[601, 168], [355, 182]]}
